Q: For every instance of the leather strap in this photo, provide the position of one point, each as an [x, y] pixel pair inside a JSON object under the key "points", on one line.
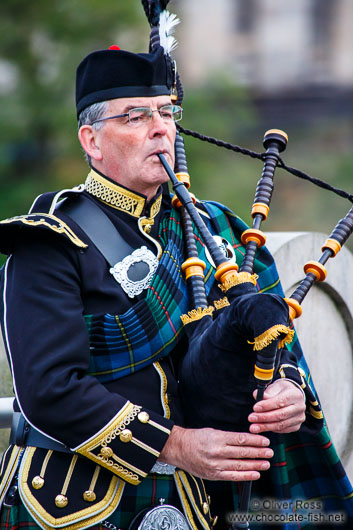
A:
{"points": [[99, 228], [23, 434]]}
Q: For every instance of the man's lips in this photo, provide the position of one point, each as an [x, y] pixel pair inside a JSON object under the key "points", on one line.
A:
{"points": [[160, 151]]}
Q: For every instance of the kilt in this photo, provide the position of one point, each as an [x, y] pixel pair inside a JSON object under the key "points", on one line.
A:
{"points": [[135, 499]]}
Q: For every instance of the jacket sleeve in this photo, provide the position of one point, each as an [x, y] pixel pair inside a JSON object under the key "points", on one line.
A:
{"points": [[47, 345]]}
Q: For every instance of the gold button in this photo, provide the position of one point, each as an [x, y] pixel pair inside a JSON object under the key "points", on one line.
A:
{"points": [[205, 507], [89, 496], [125, 436], [61, 501], [143, 417], [107, 452], [38, 482]]}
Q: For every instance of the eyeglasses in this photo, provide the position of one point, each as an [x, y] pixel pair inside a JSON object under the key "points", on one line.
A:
{"points": [[143, 115]]}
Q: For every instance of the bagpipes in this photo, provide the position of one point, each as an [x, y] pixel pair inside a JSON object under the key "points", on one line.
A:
{"points": [[252, 327], [251, 330]]}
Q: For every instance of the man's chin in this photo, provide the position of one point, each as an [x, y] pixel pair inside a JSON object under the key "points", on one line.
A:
{"points": [[156, 171], [161, 179]]}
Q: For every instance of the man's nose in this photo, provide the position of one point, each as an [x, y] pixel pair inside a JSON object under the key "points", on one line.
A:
{"points": [[158, 125]]}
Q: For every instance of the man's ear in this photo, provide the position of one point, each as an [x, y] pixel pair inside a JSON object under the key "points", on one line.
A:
{"points": [[87, 137]]}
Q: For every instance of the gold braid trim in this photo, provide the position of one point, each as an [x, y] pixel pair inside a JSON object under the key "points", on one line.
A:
{"points": [[316, 413], [49, 221], [74, 520], [237, 279], [97, 449], [185, 490], [223, 302], [155, 207], [114, 195], [196, 314], [270, 335], [164, 386], [283, 375], [121, 198], [8, 473]]}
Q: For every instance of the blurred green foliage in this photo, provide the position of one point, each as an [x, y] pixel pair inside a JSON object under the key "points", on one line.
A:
{"points": [[41, 44], [321, 147]]}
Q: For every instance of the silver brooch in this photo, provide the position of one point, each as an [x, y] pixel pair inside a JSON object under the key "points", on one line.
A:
{"points": [[164, 518], [226, 249], [135, 272]]}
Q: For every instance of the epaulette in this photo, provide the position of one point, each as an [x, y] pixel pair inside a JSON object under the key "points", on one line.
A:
{"points": [[41, 216]]}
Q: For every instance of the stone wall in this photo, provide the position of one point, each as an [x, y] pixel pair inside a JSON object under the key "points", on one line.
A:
{"points": [[325, 328]]}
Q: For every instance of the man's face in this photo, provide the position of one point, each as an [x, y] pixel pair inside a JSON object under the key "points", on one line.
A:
{"points": [[129, 154]]}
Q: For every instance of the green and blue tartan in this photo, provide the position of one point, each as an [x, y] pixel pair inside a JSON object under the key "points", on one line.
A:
{"points": [[150, 330], [306, 479], [306, 465], [134, 500]]}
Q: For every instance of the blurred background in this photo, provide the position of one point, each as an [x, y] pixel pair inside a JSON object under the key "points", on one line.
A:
{"points": [[246, 65]]}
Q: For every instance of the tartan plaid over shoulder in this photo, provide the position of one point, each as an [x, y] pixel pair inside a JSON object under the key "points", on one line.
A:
{"points": [[149, 330]]}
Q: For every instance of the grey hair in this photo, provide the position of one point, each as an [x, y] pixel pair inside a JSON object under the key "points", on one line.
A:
{"points": [[94, 112]]}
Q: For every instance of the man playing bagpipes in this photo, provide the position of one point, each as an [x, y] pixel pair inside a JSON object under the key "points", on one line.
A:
{"points": [[93, 295]]}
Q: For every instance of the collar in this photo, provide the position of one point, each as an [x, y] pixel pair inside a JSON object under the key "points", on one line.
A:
{"points": [[121, 198]]}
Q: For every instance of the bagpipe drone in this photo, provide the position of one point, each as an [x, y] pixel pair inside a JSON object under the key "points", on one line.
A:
{"points": [[251, 326]]}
